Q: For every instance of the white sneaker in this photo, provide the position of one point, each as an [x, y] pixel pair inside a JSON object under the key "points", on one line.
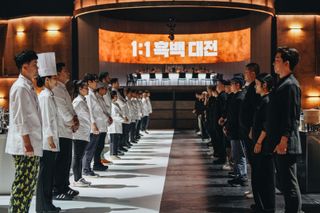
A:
{"points": [[81, 183], [206, 140], [247, 192], [114, 157], [226, 167], [198, 133]]}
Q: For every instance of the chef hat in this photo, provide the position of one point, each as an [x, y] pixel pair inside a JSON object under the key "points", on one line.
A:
{"points": [[47, 64]]}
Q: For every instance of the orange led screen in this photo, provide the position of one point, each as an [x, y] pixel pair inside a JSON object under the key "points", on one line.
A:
{"points": [[118, 47]]}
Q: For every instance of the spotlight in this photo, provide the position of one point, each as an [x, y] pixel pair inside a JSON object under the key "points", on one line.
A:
{"points": [[171, 37]]}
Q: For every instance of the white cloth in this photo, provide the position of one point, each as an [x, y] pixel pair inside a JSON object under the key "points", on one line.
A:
{"points": [[149, 105], [97, 115], [108, 101], [123, 106], [145, 107], [49, 119], [65, 110], [47, 64], [137, 109], [118, 119], [131, 110], [81, 108], [140, 108], [24, 118]]}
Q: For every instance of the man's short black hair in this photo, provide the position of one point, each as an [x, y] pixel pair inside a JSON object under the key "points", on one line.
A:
{"points": [[113, 81], [289, 54], [60, 66], [102, 75], [24, 57], [253, 67], [266, 78], [90, 77], [113, 94]]}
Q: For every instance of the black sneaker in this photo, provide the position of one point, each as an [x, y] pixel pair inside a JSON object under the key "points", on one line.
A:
{"points": [[123, 149], [238, 182], [100, 168], [90, 174], [72, 192], [62, 196]]}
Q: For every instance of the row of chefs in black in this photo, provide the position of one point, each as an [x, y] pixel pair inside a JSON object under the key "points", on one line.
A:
{"points": [[277, 113]]}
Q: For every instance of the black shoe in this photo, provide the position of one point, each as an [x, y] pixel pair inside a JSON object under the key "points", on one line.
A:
{"points": [[123, 149], [100, 168], [63, 196], [238, 182], [72, 192], [134, 141], [231, 175]]}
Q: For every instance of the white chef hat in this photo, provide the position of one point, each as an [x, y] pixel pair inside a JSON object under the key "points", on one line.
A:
{"points": [[47, 64]]}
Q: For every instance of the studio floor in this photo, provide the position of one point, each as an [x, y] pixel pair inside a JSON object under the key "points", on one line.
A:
{"points": [[167, 171]]}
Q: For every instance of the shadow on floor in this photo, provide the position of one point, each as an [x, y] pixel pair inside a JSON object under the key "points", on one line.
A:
{"points": [[123, 176], [111, 186]]}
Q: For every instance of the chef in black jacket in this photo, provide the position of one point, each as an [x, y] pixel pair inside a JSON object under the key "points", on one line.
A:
{"points": [[218, 110], [210, 105], [249, 104], [232, 130], [282, 126], [262, 167]]}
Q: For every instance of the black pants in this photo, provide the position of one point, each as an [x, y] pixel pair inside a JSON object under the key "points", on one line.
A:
{"points": [[138, 128], [211, 133], [89, 152], [220, 142], [78, 153], [263, 181], [114, 143], [125, 134], [287, 171], [45, 181], [249, 149], [63, 164], [99, 149], [204, 130], [132, 131], [144, 123]]}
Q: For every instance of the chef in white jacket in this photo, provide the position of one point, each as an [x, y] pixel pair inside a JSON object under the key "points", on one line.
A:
{"points": [[98, 124], [103, 122], [24, 140], [47, 80], [125, 112], [68, 123], [145, 112], [115, 129], [105, 78], [81, 137]]}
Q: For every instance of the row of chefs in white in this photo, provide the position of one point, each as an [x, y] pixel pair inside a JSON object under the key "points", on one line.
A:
{"points": [[51, 114]]}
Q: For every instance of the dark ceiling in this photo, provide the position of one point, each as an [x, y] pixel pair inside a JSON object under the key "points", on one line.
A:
{"points": [[17, 8], [179, 14]]}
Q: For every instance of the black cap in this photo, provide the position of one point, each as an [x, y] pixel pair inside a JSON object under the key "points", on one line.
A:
{"points": [[238, 80]]}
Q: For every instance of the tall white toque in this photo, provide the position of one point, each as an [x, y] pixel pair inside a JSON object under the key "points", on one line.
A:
{"points": [[47, 64]]}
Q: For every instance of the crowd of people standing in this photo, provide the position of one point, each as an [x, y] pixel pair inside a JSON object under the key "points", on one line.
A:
{"points": [[253, 119], [55, 132]]}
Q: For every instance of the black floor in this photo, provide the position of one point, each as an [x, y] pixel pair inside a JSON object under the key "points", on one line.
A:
{"points": [[194, 184]]}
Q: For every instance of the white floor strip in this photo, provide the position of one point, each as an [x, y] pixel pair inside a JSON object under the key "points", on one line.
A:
{"points": [[133, 184]]}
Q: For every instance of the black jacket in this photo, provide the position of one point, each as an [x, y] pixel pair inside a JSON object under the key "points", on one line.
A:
{"points": [[248, 107], [283, 114], [220, 108], [210, 107], [233, 113], [259, 125]]}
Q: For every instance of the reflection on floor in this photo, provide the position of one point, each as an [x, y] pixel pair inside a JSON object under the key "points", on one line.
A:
{"points": [[133, 184], [194, 184]]}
